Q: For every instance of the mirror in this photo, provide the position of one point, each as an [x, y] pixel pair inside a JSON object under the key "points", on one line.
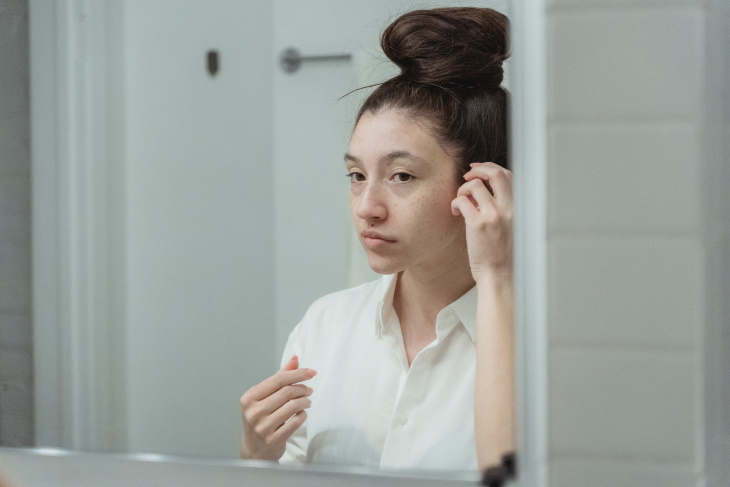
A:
{"points": [[193, 199], [115, 243]]}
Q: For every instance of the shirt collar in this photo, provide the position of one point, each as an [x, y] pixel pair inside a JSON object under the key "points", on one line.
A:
{"points": [[466, 309], [385, 305], [462, 310]]}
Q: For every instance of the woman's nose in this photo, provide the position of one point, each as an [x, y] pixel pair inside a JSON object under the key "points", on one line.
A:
{"points": [[370, 204]]}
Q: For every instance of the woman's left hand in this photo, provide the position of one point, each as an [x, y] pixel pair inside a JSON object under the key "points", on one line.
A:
{"points": [[485, 201]]}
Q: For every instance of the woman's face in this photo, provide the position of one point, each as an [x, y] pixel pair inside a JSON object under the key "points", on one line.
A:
{"points": [[402, 185]]}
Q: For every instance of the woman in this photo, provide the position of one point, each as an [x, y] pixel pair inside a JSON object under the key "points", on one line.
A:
{"points": [[391, 365]]}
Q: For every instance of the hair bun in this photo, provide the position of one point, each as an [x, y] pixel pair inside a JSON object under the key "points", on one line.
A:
{"points": [[449, 47]]}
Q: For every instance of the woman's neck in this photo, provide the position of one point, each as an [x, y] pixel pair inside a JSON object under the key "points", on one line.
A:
{"points": [[421, 293]]}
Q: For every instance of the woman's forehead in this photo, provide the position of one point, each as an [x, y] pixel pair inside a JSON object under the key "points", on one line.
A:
{"points": [[391, 132]]}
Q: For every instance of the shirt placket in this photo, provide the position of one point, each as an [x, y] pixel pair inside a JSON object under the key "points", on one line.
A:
{"points": [[407, 418]]}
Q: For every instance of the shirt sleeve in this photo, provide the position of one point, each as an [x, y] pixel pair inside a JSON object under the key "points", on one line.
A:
{"points": [[296, 446]]}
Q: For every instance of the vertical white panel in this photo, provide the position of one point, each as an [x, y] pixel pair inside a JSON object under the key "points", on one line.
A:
{"points": [[626, 292], [626, 63], [530, 156], [624, 177], [78, 390], [199, 220], [628, 67]]}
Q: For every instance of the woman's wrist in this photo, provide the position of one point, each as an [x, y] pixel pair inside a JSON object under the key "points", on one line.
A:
{"points": [[497, 278]]}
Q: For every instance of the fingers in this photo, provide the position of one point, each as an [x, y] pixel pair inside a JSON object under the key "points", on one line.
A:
{"points": [[292, 364], [488, 187], [286, 389], [274, 409], [287, 429], [462, 205], [499, 178], [266, 437], [472, 198], [282, 415], [281, 397], [490, 169], [477, 190], [276, 382]]}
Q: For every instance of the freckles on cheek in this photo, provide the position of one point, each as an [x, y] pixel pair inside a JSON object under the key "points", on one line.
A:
{"points": [[432, 203], [442, 204]]}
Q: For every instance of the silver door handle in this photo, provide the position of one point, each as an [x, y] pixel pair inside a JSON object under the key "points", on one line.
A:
{"points": [[290, 60]]}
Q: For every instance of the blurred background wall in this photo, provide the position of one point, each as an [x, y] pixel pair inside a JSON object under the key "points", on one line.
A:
{"points": [[16, 371], [199, 220], [638, 242]]}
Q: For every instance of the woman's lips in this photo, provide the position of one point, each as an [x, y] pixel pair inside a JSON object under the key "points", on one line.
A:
{"points": [[374, 239]]}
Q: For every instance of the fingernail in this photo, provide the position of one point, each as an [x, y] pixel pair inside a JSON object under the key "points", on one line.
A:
{"points": [[312, 372], [310, 391]]}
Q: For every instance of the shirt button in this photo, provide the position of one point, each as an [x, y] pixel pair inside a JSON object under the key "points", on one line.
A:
{"points": [[403, 420]]}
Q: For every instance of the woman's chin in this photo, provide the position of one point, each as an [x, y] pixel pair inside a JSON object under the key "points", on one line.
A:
{"points": [[383, 266]]}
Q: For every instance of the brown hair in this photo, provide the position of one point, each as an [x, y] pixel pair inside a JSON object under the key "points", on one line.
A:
{"points": [[451, 71]]}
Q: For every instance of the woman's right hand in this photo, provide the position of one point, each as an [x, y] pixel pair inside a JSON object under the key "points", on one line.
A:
{"points": [[273, 410]]}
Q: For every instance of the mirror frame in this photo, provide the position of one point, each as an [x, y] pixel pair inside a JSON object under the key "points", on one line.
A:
{"points": [[529, 152]]}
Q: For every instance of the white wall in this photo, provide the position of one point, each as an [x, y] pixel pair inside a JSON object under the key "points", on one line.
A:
{"points": [[152, 258], [199, 226], [632, 300]]}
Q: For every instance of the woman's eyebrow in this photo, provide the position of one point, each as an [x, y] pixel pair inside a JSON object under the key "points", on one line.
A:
{"points": [[389, 158], [402, 154]]}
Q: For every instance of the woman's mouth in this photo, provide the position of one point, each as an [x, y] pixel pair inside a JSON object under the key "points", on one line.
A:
{"points": [[374, 239]]}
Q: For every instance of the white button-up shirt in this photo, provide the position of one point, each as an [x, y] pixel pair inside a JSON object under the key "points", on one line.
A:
{"points": [[368, 407]]}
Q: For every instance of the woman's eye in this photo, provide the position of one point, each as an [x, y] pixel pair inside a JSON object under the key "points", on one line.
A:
{"points": [[402, 177], [356, 177]]}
